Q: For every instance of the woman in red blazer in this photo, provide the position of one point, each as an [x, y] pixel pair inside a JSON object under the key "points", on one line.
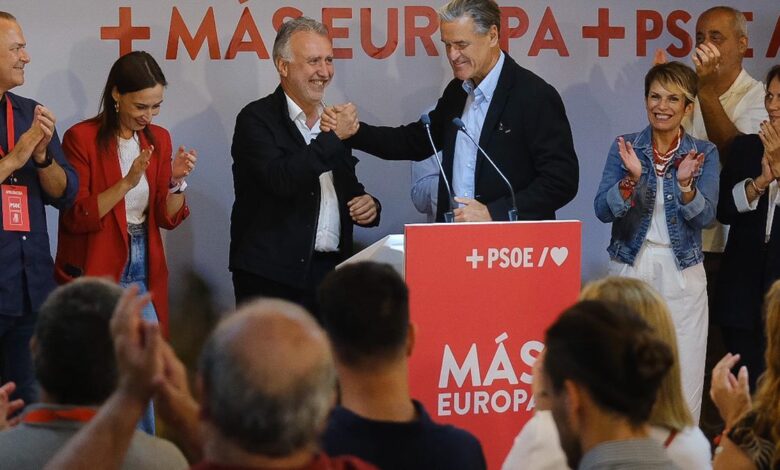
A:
{"points": [[128, 187]]}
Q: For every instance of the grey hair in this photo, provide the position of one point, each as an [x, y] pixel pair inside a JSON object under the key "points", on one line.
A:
{"points": [[739, 21], [281, 48], [248, 406], [484, 13]]}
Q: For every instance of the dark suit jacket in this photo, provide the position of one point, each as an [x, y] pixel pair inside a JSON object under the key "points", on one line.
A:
{"points": [[277, 189], [749, 266], [526, 133]]}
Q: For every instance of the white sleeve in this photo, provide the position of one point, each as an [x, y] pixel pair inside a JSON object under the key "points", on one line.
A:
{"points": [[739, 194]]}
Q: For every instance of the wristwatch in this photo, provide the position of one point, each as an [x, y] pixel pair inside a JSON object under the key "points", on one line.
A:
{"points": [[46, 162]]}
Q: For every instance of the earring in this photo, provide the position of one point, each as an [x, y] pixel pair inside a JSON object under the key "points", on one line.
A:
{"points": [[116, 106]]}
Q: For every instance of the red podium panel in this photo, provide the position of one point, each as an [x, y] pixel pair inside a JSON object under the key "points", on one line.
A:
{"points": [[482, 296]]}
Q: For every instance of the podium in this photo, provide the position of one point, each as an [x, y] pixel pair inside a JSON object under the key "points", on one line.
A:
{"points": [[482, 295]]}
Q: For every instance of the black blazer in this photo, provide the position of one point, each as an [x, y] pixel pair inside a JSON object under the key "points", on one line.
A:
{"points": [[526, 133], [749, 265], [277, 191]]}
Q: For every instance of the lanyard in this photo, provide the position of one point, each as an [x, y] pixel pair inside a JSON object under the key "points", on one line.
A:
{"points": [[9, 125], [44, 415]]}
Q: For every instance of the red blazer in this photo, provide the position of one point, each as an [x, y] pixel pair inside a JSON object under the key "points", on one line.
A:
{"points": [[93, 246]]}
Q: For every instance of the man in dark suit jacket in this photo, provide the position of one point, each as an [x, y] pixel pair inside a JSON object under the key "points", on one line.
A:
{"points": [[296, 193], [518, 119]]}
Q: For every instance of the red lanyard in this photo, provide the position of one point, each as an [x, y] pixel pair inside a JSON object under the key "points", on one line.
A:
{"points": [[9, 125], [44, 415]]}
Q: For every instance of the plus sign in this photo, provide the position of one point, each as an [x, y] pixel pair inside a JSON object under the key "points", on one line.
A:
{"points": [[474, 259], [125, 32], [603, 32]]}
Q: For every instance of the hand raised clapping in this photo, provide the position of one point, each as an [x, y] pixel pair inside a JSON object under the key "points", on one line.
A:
{"points": [[629, 158], [706, 58], [770, 137], [689, 167], [183, 164], [139, 166]]}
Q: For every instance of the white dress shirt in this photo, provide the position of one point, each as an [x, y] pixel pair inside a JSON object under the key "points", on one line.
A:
{"points": [[328, 222]]}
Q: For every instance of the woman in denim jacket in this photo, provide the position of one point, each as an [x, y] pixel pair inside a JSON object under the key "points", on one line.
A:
{"points": [[660, 189]]}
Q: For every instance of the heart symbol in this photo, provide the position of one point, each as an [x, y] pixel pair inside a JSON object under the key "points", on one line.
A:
{"points": [[559, 255]]}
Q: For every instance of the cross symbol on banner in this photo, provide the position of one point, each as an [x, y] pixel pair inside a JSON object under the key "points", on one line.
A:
{"points": [[125, 32], [475, 258]]}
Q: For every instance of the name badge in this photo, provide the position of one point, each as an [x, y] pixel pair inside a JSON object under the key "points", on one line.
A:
{"points": [[16, 216]]}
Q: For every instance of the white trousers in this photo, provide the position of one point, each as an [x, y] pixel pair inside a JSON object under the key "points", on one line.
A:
{"points": [[685, 293]]}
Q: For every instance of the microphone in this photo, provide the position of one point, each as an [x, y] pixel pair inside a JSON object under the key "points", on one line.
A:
{"points": [[449, 216], [462, 128]]}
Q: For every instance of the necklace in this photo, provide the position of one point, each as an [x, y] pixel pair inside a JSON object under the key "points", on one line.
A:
{"points": [[661, 162]]}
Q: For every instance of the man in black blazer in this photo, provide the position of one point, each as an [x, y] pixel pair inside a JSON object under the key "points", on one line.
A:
{"points": [[517, 118], [296, 193]]}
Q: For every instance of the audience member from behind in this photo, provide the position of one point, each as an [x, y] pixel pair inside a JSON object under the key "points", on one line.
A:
{"points": [[268, 385], [538, 447], [365, 309], [751, 439], [76, 368], [603, 367], [267, 380]]}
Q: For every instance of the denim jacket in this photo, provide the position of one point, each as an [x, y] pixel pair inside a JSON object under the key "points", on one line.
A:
{"points": [[631, 218]]}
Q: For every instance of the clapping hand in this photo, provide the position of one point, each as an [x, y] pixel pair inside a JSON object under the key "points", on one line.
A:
{"points": [[770, 136], [138, 346], [8, 407], [706, 57], [183, 164], [689, 167], [45, 121], [629, 158], [139, 166], [730, 394]]}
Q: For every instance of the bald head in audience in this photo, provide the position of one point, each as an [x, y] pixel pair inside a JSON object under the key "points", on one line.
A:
{"points": [[268, 382]]}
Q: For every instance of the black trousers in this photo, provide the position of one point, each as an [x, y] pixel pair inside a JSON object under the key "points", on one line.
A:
{"points": [[249, 286]]}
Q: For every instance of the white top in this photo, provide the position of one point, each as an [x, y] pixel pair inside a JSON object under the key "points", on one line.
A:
{"points": [[740, 200], [137, 199], [688, 449], [658, 233], [328, 223], [538, 447], [743, 103]]}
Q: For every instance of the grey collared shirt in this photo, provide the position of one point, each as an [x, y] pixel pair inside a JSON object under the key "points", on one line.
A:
{"points": [[635, 454]]}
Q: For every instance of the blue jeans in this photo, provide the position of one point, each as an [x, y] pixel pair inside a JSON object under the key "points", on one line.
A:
{"points": [[135, 273]]}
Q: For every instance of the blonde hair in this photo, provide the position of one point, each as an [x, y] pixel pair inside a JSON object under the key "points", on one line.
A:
{"points": [[670, 409], [766, 403]]}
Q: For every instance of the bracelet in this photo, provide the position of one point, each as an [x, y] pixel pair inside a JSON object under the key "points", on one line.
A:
{"points": [[755, 187], [177, 188], [686, 189], [626, 187]]}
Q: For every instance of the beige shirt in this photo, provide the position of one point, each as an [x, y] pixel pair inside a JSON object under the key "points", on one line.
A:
{"points": [[328, 222], [743, 103]]}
